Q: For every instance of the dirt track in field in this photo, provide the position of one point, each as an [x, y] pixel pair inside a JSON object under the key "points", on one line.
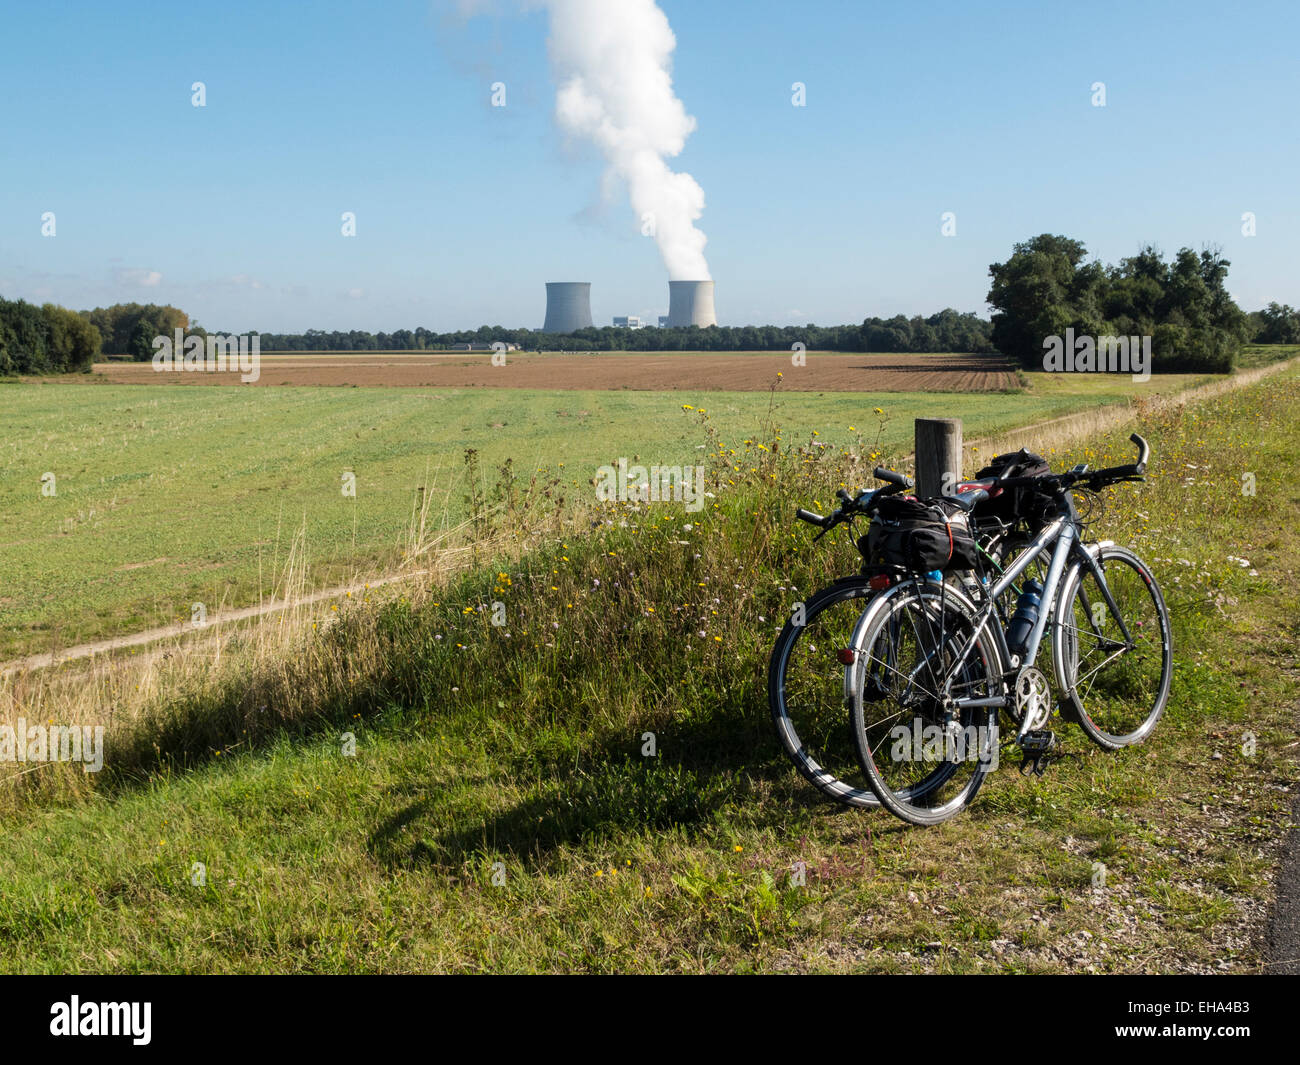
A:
{"points": [[608, 372]]}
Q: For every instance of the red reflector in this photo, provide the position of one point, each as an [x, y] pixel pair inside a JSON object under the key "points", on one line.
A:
{"points": [[879, 582], [846, 655]]}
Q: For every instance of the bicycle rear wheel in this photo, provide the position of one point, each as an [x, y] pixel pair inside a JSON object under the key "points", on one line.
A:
{"points": [[806, 691], [814, 676], [1116, 668]]}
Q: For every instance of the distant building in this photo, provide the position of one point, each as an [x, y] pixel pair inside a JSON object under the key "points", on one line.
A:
{"points": [[629, 322], [478, 346], [663, 321]]}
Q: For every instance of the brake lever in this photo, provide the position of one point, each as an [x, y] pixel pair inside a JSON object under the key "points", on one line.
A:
{"points": [[832, 520]]}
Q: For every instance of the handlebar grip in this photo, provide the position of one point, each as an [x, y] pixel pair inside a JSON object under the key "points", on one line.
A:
{"points": [[1144, 452], [892, 477], [810, 517]]}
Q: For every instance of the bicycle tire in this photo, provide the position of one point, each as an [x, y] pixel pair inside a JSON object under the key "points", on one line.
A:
{"points": [[984, 668], [796, 749], [1067, 641]]}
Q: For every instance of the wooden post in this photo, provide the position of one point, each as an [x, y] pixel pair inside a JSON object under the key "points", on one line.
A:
{"points": [[938, 452]]}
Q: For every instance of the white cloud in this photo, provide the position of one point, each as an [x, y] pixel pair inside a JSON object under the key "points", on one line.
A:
{"points": [[135, 277]]}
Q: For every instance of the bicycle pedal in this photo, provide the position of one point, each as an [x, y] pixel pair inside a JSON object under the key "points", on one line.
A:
{"points": [[1039, 746], [1038, 741]]}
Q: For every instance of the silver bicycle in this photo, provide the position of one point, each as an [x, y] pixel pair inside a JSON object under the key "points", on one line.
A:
{"points": [[930, 670]]}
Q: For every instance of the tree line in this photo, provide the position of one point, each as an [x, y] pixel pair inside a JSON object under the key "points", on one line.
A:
{"points": [[1049, 286], [1046, 287], [130, 328], [45, 339], [949, 330], [53, 339], [1278, 323]]}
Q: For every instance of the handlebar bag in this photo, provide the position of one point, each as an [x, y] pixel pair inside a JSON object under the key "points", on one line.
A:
{"points": [[919, 535], [1016, 504]]}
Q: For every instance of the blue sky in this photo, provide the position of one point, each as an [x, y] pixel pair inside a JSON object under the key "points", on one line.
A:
{"points": [[827, 213]]}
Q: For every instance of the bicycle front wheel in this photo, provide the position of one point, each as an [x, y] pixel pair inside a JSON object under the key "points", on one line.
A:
{"points": [[924, 756], [1114, 649]]}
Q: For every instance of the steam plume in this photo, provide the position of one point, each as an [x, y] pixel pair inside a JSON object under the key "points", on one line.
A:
{"points": [[612, 62]]}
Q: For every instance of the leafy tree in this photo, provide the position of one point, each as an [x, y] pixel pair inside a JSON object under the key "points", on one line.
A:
{"points": [[140, 346], [1278, 323], [1046, 287], [73, 341], [1033, 292], [28, 337], [7, 365], [119, 323]]}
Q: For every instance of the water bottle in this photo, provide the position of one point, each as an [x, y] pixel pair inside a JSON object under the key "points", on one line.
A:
{"points": [[1023, 620]]}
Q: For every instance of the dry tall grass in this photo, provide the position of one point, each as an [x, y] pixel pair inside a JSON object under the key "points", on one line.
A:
{"points": [[262, 667], [1060, 433]]}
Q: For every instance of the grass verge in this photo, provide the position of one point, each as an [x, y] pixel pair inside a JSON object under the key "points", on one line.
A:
{"points": [[499, 812]]}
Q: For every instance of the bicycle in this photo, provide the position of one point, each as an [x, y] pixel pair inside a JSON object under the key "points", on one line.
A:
{"points": [[807, 679], [928, 653]]}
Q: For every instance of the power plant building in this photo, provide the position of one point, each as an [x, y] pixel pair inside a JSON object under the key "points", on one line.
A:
{"points": [[568, 306], [691, 303]]}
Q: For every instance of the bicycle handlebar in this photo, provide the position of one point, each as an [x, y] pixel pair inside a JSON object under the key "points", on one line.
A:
{"points": [[1090, 478], [892, 477], [850, 507], [811, 517]]}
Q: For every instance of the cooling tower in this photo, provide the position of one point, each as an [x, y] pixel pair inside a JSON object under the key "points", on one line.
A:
{"points": [[691, 303], [568, 306]]}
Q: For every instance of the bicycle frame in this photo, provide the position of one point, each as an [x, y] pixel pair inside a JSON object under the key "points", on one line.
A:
{"points": [[1068, 553], [1062, 536]]}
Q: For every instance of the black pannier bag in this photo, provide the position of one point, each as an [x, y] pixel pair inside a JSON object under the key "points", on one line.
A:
{"points": [[1012, 504], [920, 535]]}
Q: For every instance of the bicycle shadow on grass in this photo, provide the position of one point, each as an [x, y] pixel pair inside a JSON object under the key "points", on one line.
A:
{"points": [[612, 794]]}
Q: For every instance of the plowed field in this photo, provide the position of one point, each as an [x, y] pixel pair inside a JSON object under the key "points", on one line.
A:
{"points": [[684, 371]]}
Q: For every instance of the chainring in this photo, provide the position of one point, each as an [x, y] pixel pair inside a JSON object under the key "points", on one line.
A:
{"points": [[1033, 698]]}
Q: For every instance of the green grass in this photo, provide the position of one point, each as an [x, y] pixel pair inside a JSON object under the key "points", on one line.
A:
{"points": [[499, 815], [168, 496], [1255, 355]]}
